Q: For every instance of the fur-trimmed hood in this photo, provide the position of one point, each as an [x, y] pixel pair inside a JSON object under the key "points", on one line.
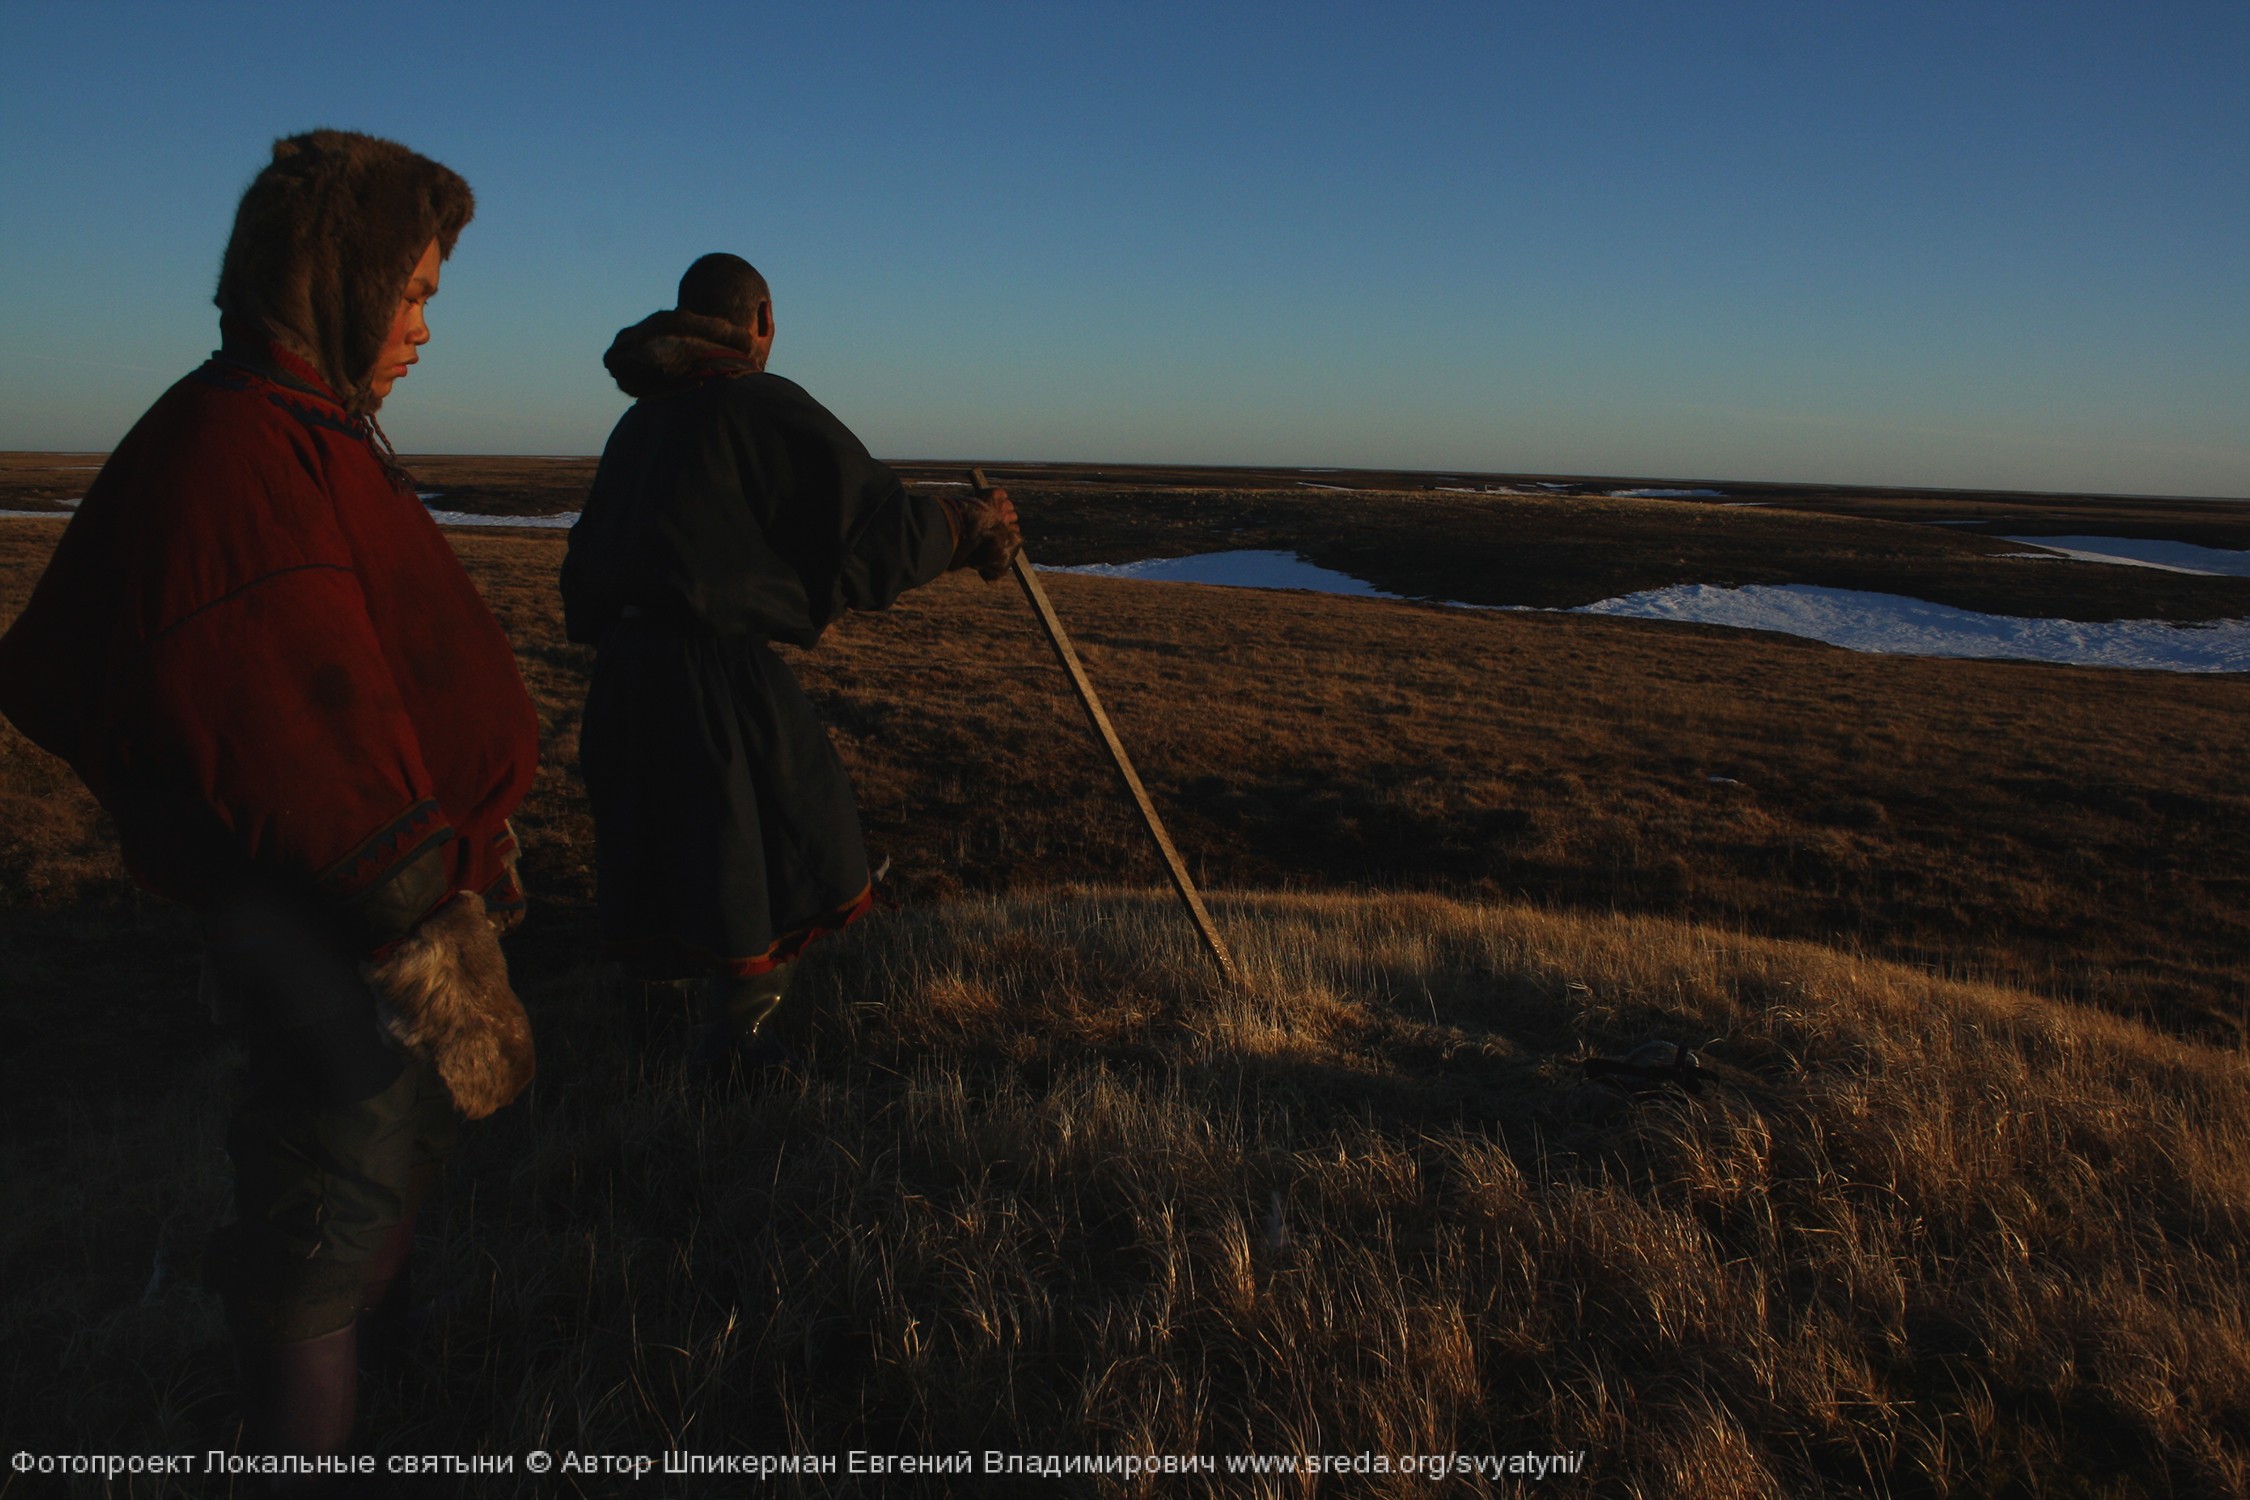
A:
{"points": [[664, 349], [324, 243]]}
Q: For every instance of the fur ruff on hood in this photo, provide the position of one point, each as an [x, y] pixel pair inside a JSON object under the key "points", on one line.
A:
{"points": [[324, 243], [664, 349]]}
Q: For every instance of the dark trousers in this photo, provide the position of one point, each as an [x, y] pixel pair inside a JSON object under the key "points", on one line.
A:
{"points": [[321, 1190], [340, 1135]]}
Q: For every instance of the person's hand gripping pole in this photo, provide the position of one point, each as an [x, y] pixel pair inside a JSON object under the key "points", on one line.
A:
{"points": [[990, 537]]}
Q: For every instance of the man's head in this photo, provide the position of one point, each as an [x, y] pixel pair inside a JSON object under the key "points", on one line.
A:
{"points": [[326, 243], [729, 288]]}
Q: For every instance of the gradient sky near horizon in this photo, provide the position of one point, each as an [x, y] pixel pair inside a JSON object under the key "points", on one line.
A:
{"points": [[1973, 245]]}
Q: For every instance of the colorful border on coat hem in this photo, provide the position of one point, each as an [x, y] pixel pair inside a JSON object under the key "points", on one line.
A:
{"points": [[385, 850], [785, 949], [505, 902]]}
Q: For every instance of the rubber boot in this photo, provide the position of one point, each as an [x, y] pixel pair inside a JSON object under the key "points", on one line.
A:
{"points": [[301, 1398]]}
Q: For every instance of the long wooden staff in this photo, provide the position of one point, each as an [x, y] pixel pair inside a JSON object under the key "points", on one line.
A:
{"points": [[1106, 732]]}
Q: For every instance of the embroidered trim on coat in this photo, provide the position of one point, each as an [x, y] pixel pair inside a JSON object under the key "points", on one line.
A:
{"points": [[689, 957], [398, 841]]}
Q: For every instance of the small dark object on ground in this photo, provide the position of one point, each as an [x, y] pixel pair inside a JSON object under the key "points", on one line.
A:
{"points": [[1649, 1067]]}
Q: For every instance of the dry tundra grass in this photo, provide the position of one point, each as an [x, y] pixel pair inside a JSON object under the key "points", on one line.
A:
{"points": [[1048, 1188]]}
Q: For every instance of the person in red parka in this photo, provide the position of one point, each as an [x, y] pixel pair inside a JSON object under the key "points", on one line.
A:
{"points": [[262, 657]]}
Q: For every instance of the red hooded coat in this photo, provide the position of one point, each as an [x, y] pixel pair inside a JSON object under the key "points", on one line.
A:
{"points": [[259, 652]]}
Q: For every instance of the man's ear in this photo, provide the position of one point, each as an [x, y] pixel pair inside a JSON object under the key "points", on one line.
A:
{"points": [[761, 321]]}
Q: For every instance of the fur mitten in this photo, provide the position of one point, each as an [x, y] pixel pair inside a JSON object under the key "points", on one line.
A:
{"points": [[989, 539], [445, 997]]}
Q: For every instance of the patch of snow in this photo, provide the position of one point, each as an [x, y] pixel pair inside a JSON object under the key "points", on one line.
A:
{"points": [[426, 496], [1667, 494], [1308, 484], [1894, 624], [2141, 552], [1856, 620], [461, 518], [49, 514], [1240, 570], [941, 484]]}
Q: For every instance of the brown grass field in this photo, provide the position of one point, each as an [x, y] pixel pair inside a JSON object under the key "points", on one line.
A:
{"points": [[1964, 1212]]}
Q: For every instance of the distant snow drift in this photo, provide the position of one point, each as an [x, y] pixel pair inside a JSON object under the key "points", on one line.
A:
{"points": [[1858, 621], [2141, 552], [1896, 625]]}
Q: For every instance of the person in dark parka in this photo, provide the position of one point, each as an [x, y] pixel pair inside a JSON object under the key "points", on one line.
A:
{"points": [[264, 660], [730, 509]]}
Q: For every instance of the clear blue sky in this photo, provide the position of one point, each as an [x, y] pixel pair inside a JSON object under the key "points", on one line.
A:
{"points": [[1951, 244]]}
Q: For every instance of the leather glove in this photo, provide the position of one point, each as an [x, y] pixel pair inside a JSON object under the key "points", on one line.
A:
{"points": [[990, 536], [443, 994]]}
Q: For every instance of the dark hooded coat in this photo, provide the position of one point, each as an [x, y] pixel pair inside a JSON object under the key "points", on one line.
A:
{"points": [[730, 510], [252, 643]]}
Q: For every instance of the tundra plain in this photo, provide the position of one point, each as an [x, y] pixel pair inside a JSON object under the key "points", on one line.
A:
{"points": [[1960, 1208]]}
